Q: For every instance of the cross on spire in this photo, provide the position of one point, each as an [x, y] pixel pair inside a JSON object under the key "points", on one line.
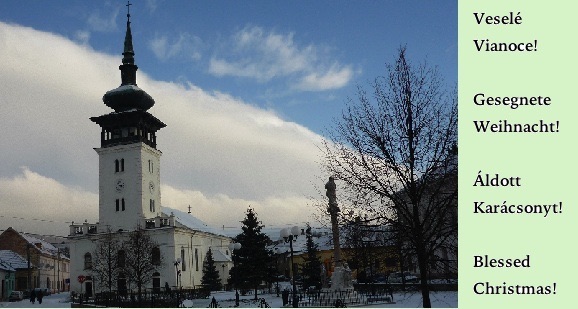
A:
{"points": [[128, 52], [128, 4]]}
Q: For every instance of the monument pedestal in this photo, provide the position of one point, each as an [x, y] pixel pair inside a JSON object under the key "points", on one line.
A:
{"points": [[341, 279]]}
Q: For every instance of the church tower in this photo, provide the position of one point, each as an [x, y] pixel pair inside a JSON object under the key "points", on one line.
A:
{"points": [[129, 162]]}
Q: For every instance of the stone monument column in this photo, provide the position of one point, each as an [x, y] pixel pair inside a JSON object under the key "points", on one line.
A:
{"points": [[333, 210], [341, 277]]}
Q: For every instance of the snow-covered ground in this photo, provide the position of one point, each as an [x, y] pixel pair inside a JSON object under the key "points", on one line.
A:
{"points": [[61, 300], [227, 299], [402, 300]]}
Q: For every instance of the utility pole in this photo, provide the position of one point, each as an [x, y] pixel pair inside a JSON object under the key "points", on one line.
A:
{"points": [[29, 284], [58, 270]]}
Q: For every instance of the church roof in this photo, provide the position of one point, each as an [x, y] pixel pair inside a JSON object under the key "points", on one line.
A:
{"points": [[42, 245], [128, 96], [219, 256], [187, 220]]}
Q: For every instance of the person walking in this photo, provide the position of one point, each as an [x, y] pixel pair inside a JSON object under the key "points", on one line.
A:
{"points": [[32, 296], [167, 288], [39, 296]]}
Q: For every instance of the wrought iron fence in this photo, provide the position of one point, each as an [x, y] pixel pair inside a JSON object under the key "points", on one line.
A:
{"points": [[149, 298]]}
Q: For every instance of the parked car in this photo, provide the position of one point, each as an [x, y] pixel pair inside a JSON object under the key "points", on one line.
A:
{"points": [[16, 296], [380, 278], [44, 291], [397, 277]]}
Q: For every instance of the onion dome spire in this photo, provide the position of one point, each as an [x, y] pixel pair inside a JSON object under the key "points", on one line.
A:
{"points": [[128, 49], [128, 96], [128, 68]]}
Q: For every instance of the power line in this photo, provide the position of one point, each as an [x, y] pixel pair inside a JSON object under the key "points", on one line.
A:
{"points": [[36, 219]]}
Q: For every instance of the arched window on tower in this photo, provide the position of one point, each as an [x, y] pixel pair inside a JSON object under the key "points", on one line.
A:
{"points": [[123, 204], [116, 166], [87, 260], [122, 165]]}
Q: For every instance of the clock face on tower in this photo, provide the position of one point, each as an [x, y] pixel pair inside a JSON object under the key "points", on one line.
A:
{"points": [[119, 185], [152, 186]]}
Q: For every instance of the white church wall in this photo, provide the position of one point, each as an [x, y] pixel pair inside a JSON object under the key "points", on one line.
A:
{"points": [[78, 248], [136, 176]]}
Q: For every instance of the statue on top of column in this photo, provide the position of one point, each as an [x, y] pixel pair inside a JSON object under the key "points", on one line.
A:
{"points": [[332, 195]]}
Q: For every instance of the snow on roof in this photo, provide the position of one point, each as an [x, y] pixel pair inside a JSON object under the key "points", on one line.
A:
{"points": [[45, 247], [124, 88], [12, 259], [187, 220], [219, 256]]}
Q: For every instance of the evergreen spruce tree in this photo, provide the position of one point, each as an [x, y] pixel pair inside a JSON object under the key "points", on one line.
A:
{"points": [[251, 260], [211, 279], [312, 267]]}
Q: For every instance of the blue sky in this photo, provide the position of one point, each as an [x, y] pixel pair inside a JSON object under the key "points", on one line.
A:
{"points": [[246, 89], [347, 42]]}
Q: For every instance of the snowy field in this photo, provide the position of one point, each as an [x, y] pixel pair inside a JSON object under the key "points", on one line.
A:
{"points": [[227, 300]]}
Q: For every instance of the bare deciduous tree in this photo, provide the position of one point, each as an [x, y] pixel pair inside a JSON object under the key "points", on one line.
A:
{"points": [[143, 258], [395, 151], [105, 267]]}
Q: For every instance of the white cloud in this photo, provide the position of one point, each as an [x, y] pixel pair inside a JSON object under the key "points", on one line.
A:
{"points": [[254, 53], [37, 204], [82, 36], [183, 46], [220, 154], [222, 210], [151, 5], [100, 23], [335, 78]]}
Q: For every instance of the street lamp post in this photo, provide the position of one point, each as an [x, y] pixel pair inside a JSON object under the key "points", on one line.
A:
{"points": [[177, 271], [223, 276], [367, 244], [276, 267], [235, 246], [290, 235]]}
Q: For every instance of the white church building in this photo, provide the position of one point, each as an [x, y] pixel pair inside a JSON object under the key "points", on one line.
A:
{"points": [[130, 197]]}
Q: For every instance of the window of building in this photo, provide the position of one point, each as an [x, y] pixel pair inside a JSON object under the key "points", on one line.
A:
{"points": [[117, 204], [87, 260], [152, 205], [123, 204], [121, 258], [156, 256], [118, 165], [196, 259], [183, 264]]}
